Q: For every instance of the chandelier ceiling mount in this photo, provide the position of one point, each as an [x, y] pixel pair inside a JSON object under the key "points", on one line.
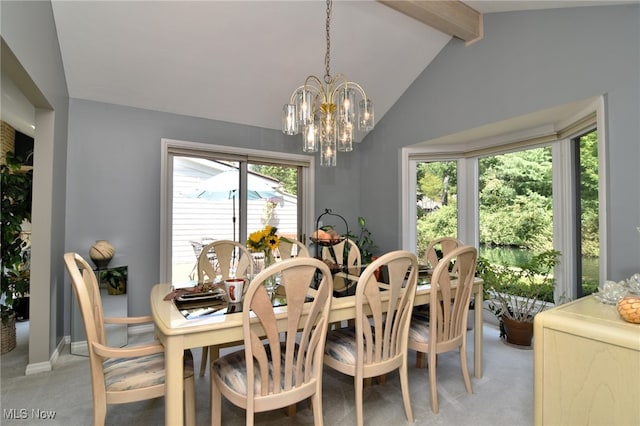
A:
{"points": [[324, 111]]}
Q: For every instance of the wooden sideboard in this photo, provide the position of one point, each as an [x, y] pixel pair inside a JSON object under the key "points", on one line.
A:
{"points": [[586, 366]]}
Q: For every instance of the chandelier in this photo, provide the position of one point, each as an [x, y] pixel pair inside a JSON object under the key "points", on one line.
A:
{"points": [[324, 111]]}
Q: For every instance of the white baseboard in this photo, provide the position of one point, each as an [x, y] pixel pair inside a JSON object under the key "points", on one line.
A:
{"points": [[44, 367], [79, 347], [140, 329]]}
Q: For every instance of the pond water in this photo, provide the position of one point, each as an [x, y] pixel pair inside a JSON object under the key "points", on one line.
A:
{"points": [[513, 256]]}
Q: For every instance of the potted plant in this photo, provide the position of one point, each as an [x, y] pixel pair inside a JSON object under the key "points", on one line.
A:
{"points": [[364, 241], [115, 280], [16, 208], [517, 294]]}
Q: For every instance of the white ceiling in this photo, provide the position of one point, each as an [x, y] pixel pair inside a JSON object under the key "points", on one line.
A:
{"points": [[239, 61]]}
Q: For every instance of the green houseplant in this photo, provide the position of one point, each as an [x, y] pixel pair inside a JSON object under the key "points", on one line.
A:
{"points": [[15, 252], [364, 241], [115, 280], [16, 208], [517, 294]]}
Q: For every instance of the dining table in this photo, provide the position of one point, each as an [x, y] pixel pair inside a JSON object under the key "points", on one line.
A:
{"points": [[177, 333]]}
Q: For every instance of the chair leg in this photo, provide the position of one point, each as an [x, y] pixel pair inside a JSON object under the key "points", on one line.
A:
{"points": [[99, 414], [406, 395], [433, 383], [190, 401], [216, 403], [203, 363], [465, 368], [419, 359], [316, 405], [359, 384], [291, 410]]}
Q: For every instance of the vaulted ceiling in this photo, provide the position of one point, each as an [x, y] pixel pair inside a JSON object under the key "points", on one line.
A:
{"points": [[239, 61]]}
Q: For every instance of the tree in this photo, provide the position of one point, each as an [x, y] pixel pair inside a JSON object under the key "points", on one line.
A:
{"points": [[288, 176], [516, 199], [589, 194]]}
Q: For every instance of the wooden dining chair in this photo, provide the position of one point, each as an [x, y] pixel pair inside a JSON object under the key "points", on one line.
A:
{"points": [[446, 328], [286, 249], [436, 250], [278, 368], [120, 375], [221, 260], [377, 344], [440, 247], [347, 254]]}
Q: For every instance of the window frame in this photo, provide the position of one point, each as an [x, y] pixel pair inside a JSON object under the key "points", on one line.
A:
{"points": [[172, 147], [467, 154]]}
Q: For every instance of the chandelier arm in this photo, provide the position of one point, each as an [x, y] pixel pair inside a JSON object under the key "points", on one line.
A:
{"points": [[357, 86], [348, 84], [293, 95], [314, 106], [313, 83]]}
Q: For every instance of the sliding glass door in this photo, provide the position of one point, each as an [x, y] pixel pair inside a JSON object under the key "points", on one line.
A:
{"points": [[214, 195]]}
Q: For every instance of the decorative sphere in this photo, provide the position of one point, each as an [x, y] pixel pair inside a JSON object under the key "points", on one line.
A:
{"points": [[101, 253], [629, 309]]}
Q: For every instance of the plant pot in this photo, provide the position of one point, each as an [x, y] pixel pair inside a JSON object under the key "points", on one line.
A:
{"points": [[518, 332], [21, 308], [8, 340], [117, 288]]}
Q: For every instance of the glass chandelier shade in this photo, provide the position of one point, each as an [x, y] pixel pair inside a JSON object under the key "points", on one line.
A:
{"points": [[324, 111]]}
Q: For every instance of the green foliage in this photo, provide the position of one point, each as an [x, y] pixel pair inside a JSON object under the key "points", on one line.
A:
{"points": [[115, 279], [515, 199], [364, 241], [589, 194], [436, 224], [288, 176], [520, 292], [16, 207]]}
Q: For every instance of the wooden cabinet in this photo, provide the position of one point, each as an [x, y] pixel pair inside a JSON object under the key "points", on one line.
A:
{"points": [[586, 366]]}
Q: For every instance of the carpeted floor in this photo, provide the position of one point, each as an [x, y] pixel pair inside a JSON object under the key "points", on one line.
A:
{"points": [[503, 396]]}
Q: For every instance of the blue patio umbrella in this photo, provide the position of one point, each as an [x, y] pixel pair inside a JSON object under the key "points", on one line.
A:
{"points": [[225, 186]]}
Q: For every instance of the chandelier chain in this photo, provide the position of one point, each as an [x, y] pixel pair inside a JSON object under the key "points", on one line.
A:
{"points": [[327, 76]]}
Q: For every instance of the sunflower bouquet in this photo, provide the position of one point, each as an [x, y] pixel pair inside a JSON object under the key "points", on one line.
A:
{"points": [[264, 240]]}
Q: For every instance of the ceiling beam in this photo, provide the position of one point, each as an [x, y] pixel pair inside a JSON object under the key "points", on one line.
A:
{"points": [[452, 17]]}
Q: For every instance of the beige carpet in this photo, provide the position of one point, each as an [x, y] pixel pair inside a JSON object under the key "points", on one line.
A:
{"points": [[503, 396]]}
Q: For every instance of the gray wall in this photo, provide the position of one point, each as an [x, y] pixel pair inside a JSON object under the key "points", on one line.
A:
{"points": [[29, 31], [527, 61], [113, 180]]}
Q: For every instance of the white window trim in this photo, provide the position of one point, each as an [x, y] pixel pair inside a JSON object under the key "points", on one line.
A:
{"points": [[308, 187], [467, 153]]}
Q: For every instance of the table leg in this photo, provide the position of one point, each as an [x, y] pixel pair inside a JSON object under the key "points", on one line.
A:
{"points": [[477, 332], [174, 380]]}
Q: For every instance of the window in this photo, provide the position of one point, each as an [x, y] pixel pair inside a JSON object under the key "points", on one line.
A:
{"points": [[549, 173], [436, 202], [212, 193], [516, 205], [587, 228]]}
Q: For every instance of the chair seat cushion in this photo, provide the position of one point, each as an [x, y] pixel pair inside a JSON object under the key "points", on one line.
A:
{"points": [[122, 374], [231, 369], [341, 345], [419, 330]]}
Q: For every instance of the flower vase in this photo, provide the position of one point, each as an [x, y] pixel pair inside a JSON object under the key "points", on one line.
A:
{"points": [[270, 283], [101, 253]]}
